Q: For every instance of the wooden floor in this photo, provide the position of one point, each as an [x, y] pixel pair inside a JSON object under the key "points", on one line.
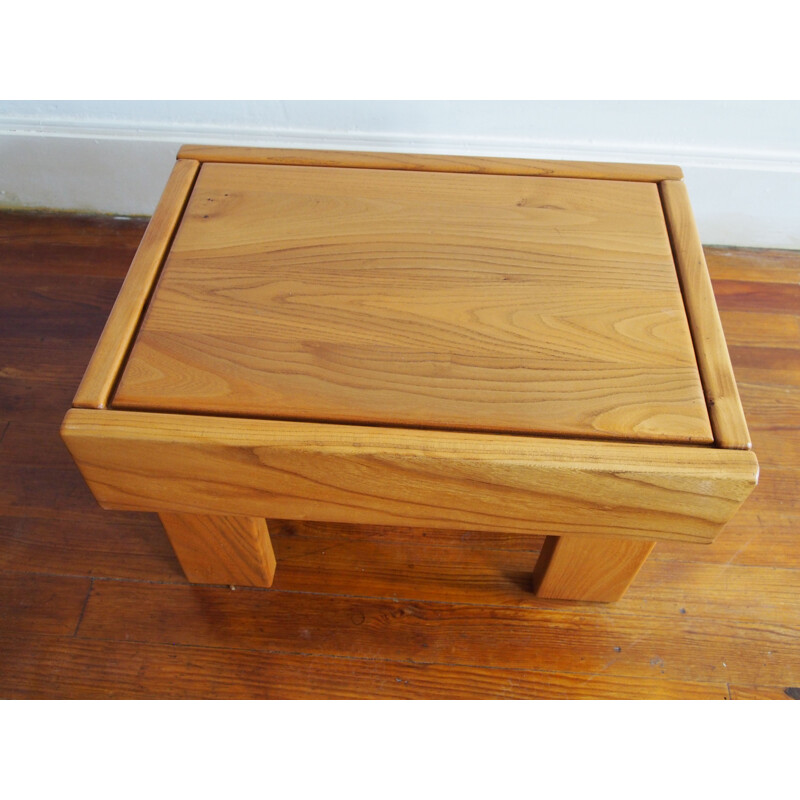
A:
{"points": [[94, 605]]}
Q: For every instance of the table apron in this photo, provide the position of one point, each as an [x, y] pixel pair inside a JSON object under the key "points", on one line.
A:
{"points": [[383, 476]]}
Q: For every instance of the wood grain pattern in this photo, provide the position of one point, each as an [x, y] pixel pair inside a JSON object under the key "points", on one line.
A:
{"points": [[598, 569], [111, 670], [746, 296], [217, 549], [777, 410], [431, 163], [47, 604], [108, 356], [348, 473], [380, 562], [695, 620], [98, 544], [765, 692], [763, 533], [450, 301], [773, 366], [751, 264], [50, 304], [379, 566], [719, 384], [765, 329], [590, 639], [46, 243], [60, 275]]}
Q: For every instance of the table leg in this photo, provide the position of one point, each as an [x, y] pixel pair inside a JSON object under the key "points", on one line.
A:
{"points": [[215, 549], [598, 568]]}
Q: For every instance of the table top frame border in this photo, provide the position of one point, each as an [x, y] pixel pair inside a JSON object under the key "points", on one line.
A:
{"points": [[716, 373], [111, 352], [423, 162], [713, 359]]}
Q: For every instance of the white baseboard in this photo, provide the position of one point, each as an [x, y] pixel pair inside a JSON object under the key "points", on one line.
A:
{"points": [[740, 198]]}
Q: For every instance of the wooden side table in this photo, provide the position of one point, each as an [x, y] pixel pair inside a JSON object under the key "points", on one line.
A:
{"points": [[472, 343]]}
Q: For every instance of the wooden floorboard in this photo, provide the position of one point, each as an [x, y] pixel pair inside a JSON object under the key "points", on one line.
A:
{"points": [[50, 667], [621, 641], [746, 328], [750, 264], [40, 603], [93, 603], [38, 244], [764, 692]]}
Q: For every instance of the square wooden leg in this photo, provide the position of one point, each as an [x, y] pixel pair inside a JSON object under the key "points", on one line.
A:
{"points": [[596, 568], [214, 549]]}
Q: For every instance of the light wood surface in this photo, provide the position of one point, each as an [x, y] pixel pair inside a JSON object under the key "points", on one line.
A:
{"points": [[477, 302], [100, 375], [596, 569], [432, 163], [217, 549], [347, 473], [721, 392]]}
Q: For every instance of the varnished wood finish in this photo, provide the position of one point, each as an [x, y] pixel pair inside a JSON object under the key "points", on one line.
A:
{"points": [[48, 604], [431, 163], [364, 611], [765, 692], [216, 549], [89, 668], [722, 395], [598, 568], [100, 375], [349, 473], [333, 294], [476, 302], [631, 642], [61, 275], [38, 247], [776, 267]]}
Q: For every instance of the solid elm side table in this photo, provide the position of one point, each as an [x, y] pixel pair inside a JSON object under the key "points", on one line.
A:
{"points": [[429, 341]]}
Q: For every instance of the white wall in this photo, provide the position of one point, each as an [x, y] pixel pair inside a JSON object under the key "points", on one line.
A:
{"points": [[741, 159]]}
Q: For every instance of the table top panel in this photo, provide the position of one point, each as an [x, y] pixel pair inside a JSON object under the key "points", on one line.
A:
{"points": [[454, 301]]}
